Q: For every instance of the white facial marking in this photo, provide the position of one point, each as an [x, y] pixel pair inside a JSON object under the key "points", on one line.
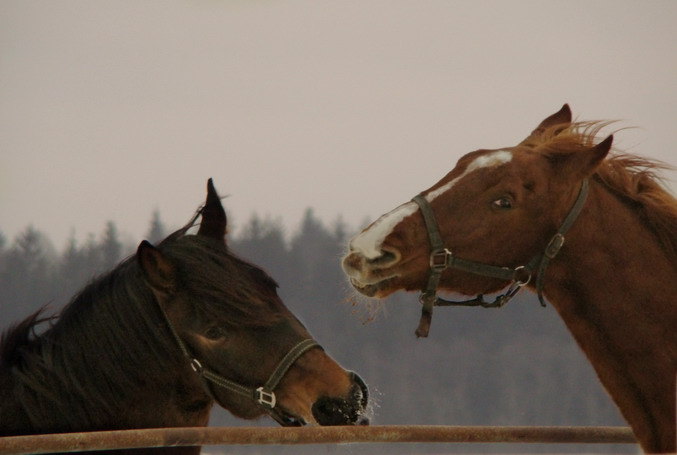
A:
{"points": [[489, 160], [369, 242]]}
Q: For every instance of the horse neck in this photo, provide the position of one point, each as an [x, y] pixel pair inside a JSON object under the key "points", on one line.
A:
{"points": [[613, 286]]}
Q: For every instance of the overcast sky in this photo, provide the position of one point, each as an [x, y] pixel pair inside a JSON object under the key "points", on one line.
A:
{"points": [[112, 109]]}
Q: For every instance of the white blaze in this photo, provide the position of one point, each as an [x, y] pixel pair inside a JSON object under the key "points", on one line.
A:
{"points": [[489, 160], [369, 242]]}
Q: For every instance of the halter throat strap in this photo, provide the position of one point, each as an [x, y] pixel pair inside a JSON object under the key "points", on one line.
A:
{"points": [[442, 258]]}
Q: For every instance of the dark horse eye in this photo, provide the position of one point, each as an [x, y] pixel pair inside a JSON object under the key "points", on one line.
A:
{"points": [[502, 203], [214, 333]]}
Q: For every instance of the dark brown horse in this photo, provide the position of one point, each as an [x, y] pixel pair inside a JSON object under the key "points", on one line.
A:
{"points": [[596, 235], [158, 340]]}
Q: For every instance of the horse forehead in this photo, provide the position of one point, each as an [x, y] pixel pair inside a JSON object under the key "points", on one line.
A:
{"points": [[369, 241], [489, 159]]}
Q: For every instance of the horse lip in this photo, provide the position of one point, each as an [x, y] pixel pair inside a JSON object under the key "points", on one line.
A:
{"points": [[371, 289], [286, 419]]}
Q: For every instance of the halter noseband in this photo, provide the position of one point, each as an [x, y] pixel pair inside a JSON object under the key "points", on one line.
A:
{"points": [[264, 395], [442, 258]]}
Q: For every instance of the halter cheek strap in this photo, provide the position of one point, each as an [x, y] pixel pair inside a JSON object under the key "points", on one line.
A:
{"points": [[442, 258], [264, 395], [557, 241]]}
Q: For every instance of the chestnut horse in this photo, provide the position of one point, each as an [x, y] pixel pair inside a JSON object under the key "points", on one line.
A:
{"points": [[161, 338], [597, 236]]}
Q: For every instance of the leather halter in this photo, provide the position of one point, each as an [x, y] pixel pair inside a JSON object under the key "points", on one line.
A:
{"points": [[264, 395], [442, 258]]}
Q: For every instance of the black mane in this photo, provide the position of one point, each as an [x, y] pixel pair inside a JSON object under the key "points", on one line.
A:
{"points": [[97, 349], [18, 337]]}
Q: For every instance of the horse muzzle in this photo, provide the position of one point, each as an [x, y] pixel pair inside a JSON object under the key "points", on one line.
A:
{"points": [[370, 276], [344, 411]]}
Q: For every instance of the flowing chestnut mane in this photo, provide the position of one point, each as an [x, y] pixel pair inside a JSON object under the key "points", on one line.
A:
{"points": [[633, 178]]}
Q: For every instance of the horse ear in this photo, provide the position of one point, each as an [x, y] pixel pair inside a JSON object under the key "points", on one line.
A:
{"points": [[158, 270], [561, 117], [214, 219], [583, 163]]}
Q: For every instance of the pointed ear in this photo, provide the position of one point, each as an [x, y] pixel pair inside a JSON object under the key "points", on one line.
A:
{"points": [[158, 270], [583, 163], [214, 220], [561, 117]]}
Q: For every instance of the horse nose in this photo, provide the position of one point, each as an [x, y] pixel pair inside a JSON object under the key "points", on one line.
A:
{"points": [[356, 261], [352, 263], [344, 411]]}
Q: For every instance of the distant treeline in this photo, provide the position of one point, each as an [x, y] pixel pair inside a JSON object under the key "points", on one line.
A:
{"points": [[512, 366]]}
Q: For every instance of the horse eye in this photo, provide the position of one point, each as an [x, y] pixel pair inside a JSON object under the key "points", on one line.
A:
{"points": [[502, 203], [214, 333]]}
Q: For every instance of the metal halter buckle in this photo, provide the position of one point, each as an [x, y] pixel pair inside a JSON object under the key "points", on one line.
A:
{"points": [[196, 366], [554, 246], [265, 398], [439, 259]]}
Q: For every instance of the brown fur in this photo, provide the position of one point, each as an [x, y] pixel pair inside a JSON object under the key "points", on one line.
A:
{"points": [[614, 280]]}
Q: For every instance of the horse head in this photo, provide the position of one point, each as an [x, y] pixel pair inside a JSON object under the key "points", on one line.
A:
{"points": [[251, 354], [496, 208]]}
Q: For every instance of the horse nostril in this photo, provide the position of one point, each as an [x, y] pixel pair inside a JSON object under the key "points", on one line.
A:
{"points": [[334, 411], [386, 259]]}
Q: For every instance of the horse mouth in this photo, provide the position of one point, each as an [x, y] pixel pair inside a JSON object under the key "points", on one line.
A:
{"points": [[287, 419], [372, 289]]}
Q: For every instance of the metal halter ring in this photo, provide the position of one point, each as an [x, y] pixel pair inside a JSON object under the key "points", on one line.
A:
{"points": [[520, 282]]}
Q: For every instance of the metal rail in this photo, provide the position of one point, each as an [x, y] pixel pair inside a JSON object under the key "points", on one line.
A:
{"points": [[174, 437]]}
